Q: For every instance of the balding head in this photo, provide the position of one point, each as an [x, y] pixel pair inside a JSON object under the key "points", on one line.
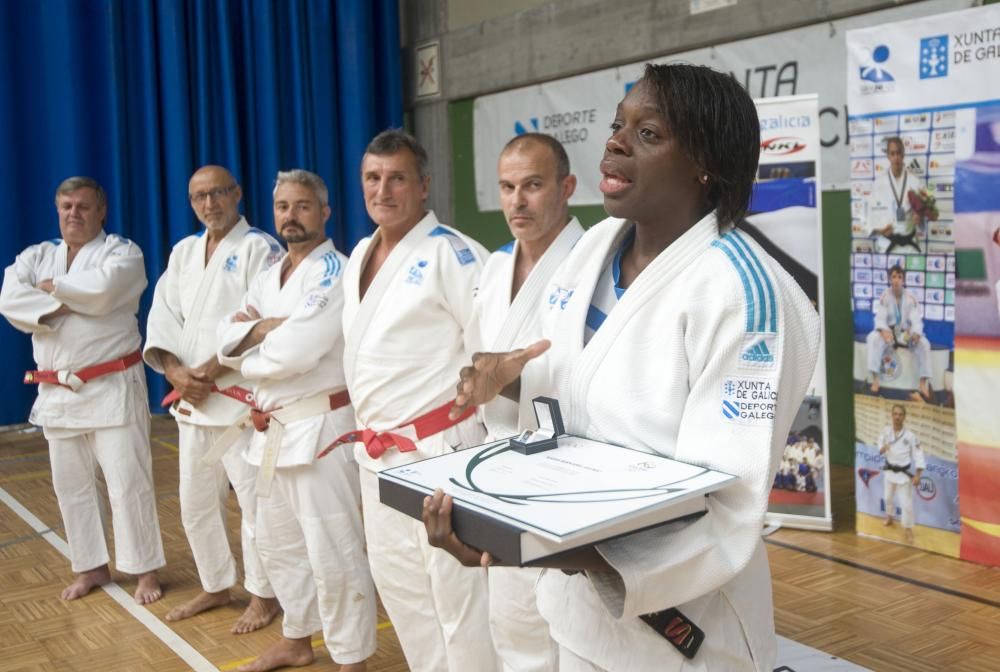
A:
{"points": [[535, 188], [554, 146], [215, 198], [214, 173]]}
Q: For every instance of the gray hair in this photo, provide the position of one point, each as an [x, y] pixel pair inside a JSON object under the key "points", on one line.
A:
{"points": [[394, 140], [71, 184], [306, 179]]}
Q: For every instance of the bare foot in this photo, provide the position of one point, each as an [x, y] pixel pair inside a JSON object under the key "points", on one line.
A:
{"points": [[888, 521], [925, 390], [86, 582], [284, 652], [203, 601], [148, 590], [354, 667], [908, 535], [258, 614]]}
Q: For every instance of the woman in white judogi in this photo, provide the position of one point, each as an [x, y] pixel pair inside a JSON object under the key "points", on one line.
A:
{"points": [[78, 297], [658, 319], [535, 187], [286, 340], [206, 278]]}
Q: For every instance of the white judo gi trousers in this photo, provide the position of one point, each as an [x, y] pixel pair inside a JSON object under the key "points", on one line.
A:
{"points": [[905, 491], [123, 456], [921, 352], [438, 607], [520, 633], [309, 536], [203, 494]]}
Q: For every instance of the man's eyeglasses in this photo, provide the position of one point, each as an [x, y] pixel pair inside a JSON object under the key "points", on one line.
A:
{"points": [[200, 196]]}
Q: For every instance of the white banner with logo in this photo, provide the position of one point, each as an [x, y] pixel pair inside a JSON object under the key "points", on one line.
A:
{"points": [[578, 110], [924, 101], [785, 218]]}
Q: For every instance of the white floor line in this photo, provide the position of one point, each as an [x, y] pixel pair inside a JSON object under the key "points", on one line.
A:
{"points": [[176, 644], [795, 657]]}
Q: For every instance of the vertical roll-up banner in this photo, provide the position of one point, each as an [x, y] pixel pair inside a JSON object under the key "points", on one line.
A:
{"points": [[924, 117], [785, 218]]}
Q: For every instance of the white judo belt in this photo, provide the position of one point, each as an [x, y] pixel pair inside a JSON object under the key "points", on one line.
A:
{"points": [[273, 423]]}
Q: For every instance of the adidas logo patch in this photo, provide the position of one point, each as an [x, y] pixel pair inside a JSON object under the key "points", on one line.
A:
{"points": [[759, 350], [758, 353]]}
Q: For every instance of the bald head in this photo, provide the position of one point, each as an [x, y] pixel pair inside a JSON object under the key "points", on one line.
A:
{"points": [[215, 198]]}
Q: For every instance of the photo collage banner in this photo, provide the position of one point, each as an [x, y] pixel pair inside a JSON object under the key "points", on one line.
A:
{"points": [[924, 146]]}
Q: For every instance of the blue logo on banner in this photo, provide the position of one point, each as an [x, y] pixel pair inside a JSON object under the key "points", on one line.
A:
{"points": [[872, 71], [934, 57], [521, 129]]}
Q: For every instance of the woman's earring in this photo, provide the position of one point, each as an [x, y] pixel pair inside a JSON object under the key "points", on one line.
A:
{"points": [[703, 179]]}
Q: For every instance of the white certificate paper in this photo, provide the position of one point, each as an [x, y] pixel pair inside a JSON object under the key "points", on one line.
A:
{"points": [[567, 492]]}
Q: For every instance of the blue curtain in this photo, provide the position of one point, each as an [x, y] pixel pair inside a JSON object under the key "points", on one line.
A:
{"points": [[138, 94]]}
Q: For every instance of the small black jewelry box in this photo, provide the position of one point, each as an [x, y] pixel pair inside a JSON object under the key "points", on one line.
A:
{"points": [[550, 427]]}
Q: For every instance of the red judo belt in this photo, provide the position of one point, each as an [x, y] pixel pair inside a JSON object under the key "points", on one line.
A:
{"points": [[233, 392], [86, 374], [405, 436]]}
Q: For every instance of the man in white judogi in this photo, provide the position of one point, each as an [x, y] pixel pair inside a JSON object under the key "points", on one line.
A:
{"points": [[904, 465], [206, 278], [535, 187], [286, 339], [78, 297], [408, 300], [898, 322]]}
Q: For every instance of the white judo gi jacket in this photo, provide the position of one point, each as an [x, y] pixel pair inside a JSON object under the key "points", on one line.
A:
{"points": [[407, 340], [888, 193], [190, 299], [904, 314], [103, 289], [506, 325], [710, 318], [520, 634], [904, 449], [299, 359]]}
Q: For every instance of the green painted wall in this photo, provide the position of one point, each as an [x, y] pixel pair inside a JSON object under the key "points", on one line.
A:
{"points": [[491, 230]]}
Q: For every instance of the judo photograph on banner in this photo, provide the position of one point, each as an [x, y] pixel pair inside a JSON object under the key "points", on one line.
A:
{"points": [[784, 219], [801, 484], [906, 485], [977, 328]]}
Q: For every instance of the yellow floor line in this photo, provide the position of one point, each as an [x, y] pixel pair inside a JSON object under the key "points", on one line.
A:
{"points": [[166, 444], [317, 644]]}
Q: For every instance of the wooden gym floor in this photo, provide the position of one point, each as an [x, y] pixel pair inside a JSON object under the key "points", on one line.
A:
{"points": [[877, 604]]}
